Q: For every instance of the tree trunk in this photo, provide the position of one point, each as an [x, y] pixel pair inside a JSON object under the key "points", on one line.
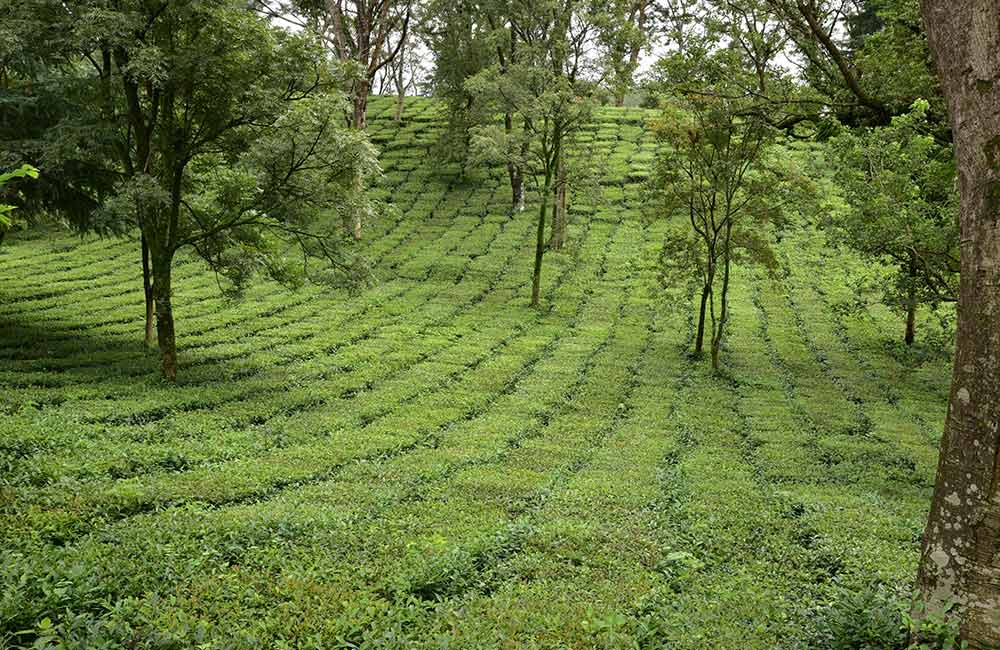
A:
{"points": [[699, 341], [165, 316], [514, 170], [359, 118], [147, 289], [720, 328], [517, 188], [911, 301], [399, 78], [911, 320], [536, 277], [960, 560], [558, 236], [400, 100]]}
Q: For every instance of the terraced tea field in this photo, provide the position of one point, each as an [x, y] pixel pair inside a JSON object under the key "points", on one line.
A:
{"points": [[433, 464]]}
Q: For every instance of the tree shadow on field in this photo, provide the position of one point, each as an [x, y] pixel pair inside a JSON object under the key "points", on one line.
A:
{"points": [[36, 346]]}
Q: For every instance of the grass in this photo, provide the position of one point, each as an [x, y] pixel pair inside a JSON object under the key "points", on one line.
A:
{"points": [[433, 464]]}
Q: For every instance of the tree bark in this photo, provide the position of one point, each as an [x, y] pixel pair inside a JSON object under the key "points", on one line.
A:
{"points": [[147, 288], [720, 328], [359, 117], [960, 560], [514, 170], [699, 341], [911, 303], [911, 321], [165, 316], [359, 120], [536, 276], [558, 236]]}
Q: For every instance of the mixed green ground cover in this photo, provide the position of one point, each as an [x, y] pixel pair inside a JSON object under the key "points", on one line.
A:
{"points": [[433, 464]]}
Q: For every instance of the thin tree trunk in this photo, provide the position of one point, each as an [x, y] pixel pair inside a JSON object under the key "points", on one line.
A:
{"points": [[165, 317], [400, 100], [960, 559], [536, 276], [400, 74], [514, 170], [147, 288], [353, 223], [699, 341], [720, 328], [911, 303], [558, 236]]}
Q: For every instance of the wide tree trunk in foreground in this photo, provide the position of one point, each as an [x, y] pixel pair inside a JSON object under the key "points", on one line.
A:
{"points": [[960, 562]]}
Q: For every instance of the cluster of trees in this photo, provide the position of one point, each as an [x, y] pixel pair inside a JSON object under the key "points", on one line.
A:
{"points": [[740, 74], [213, 127], [195, 126]]}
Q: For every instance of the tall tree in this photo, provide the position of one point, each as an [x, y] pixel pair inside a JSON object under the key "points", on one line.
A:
{"points": [[960, 561], [468, 37], [365, 36], [623, 29], [545, 92], [711, 170], [228, 141], [368, 34], [900, 185]]}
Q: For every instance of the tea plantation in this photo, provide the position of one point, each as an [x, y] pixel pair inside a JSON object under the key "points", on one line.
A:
{"points": [[430, 463]]}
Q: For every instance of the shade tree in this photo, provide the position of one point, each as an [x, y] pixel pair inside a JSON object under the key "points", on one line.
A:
{"points": [[900, 186], [228, 141], [711, 175], [545, 91]]}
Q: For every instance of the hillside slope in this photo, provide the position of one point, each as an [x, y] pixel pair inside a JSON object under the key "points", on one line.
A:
{"points": [[431, 463]]}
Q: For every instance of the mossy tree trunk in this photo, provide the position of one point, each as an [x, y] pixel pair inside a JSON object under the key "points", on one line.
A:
{"points": [[960, 560]]}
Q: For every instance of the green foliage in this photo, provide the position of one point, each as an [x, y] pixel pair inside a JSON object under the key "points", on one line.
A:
{"points": [[900, 185], [7, 211], [431, 463], [221, 133], [623, 28], [881, 619], [712, 172]]}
